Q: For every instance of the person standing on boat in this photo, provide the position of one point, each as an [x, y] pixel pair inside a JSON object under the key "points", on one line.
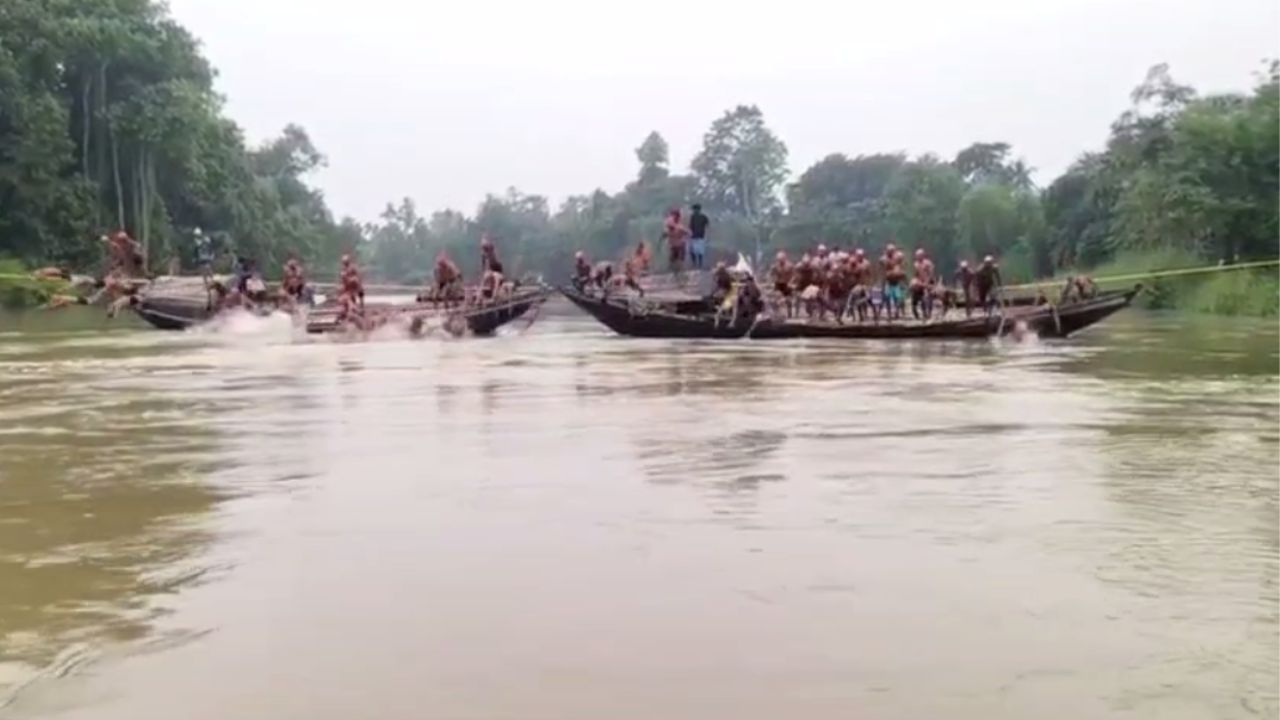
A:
{"points": [[204, 253], [894, 280], [922, 285], [293, 284], [350, 290], [807, 277], [125, 254], [488, 256], [636, 266], [676, 235], [698, 224], [964, 280], [581, 271], [782, 274], [987, 282]]}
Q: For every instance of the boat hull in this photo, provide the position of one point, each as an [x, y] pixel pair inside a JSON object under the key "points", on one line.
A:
{"points": [[171, 313], [633, 320], [482, 322]]}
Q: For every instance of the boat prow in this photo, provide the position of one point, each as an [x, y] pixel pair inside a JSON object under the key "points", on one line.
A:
{"points": [[626, 317], [1065, 320]]}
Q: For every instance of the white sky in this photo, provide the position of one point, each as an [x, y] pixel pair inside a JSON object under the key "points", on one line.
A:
{"points": [[443, 102]]}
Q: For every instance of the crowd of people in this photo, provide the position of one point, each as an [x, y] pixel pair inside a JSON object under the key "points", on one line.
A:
{"points": [[830, 281], [821, 283]]}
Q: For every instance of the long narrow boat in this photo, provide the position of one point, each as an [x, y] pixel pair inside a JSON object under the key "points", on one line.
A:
{"points": [[477, 319], [170, 307], [637, 318]]}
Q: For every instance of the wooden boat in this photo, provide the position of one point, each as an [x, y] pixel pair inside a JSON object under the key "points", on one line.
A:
{"points": [[477, 319], [635, 317], [178, 305]]}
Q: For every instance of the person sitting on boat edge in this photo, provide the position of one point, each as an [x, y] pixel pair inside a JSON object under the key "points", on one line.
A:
{"points": [[602, 276], [750, 300], [1078, 287], [490, 285], [722, 283]]}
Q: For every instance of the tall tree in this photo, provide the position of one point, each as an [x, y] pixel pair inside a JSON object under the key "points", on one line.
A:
{"points": [[921, 205], [742, 164], [653, 157]]}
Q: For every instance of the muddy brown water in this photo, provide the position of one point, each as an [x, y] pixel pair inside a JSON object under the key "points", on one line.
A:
{"points": [[567, 524]]}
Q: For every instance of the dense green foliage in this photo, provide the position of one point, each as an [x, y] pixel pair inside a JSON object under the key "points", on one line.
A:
{"points": [[108, 119]]}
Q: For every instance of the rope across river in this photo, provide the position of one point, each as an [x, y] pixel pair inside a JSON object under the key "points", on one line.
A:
{"points": [[1153, 274]]}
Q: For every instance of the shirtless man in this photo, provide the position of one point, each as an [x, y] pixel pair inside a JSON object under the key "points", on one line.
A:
{"points": [[821, 256], [125, 254], [488, 255], [635, 266], [1078, 287], [581, 271], [675, 235], [722, 281], [602, 276], [838, 287], [807, 284], [446, 280], [782, 274], [860, 284], [986, 281], [350, 291], [293, 285], [894, 280], [922, 282], [490, 285], [750, 299], [642, 258]]}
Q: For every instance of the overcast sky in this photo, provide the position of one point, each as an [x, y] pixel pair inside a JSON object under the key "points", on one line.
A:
{"points": [[445, 101]]}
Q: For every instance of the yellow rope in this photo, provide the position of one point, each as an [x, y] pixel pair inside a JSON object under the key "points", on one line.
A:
{"points": [[1153, 274]]}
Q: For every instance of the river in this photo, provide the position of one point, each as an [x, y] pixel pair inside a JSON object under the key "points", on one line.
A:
{"points": [[569, 525]]}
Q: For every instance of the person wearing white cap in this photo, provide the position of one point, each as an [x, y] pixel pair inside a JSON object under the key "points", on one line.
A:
{"points": [[987, 281]]}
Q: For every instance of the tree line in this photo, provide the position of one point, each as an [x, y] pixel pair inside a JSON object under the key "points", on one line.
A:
{"points": [[108, 118]]}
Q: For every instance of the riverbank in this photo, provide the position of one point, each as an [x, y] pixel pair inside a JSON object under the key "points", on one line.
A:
{"points": [[18, 289], [1251, 292]]}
